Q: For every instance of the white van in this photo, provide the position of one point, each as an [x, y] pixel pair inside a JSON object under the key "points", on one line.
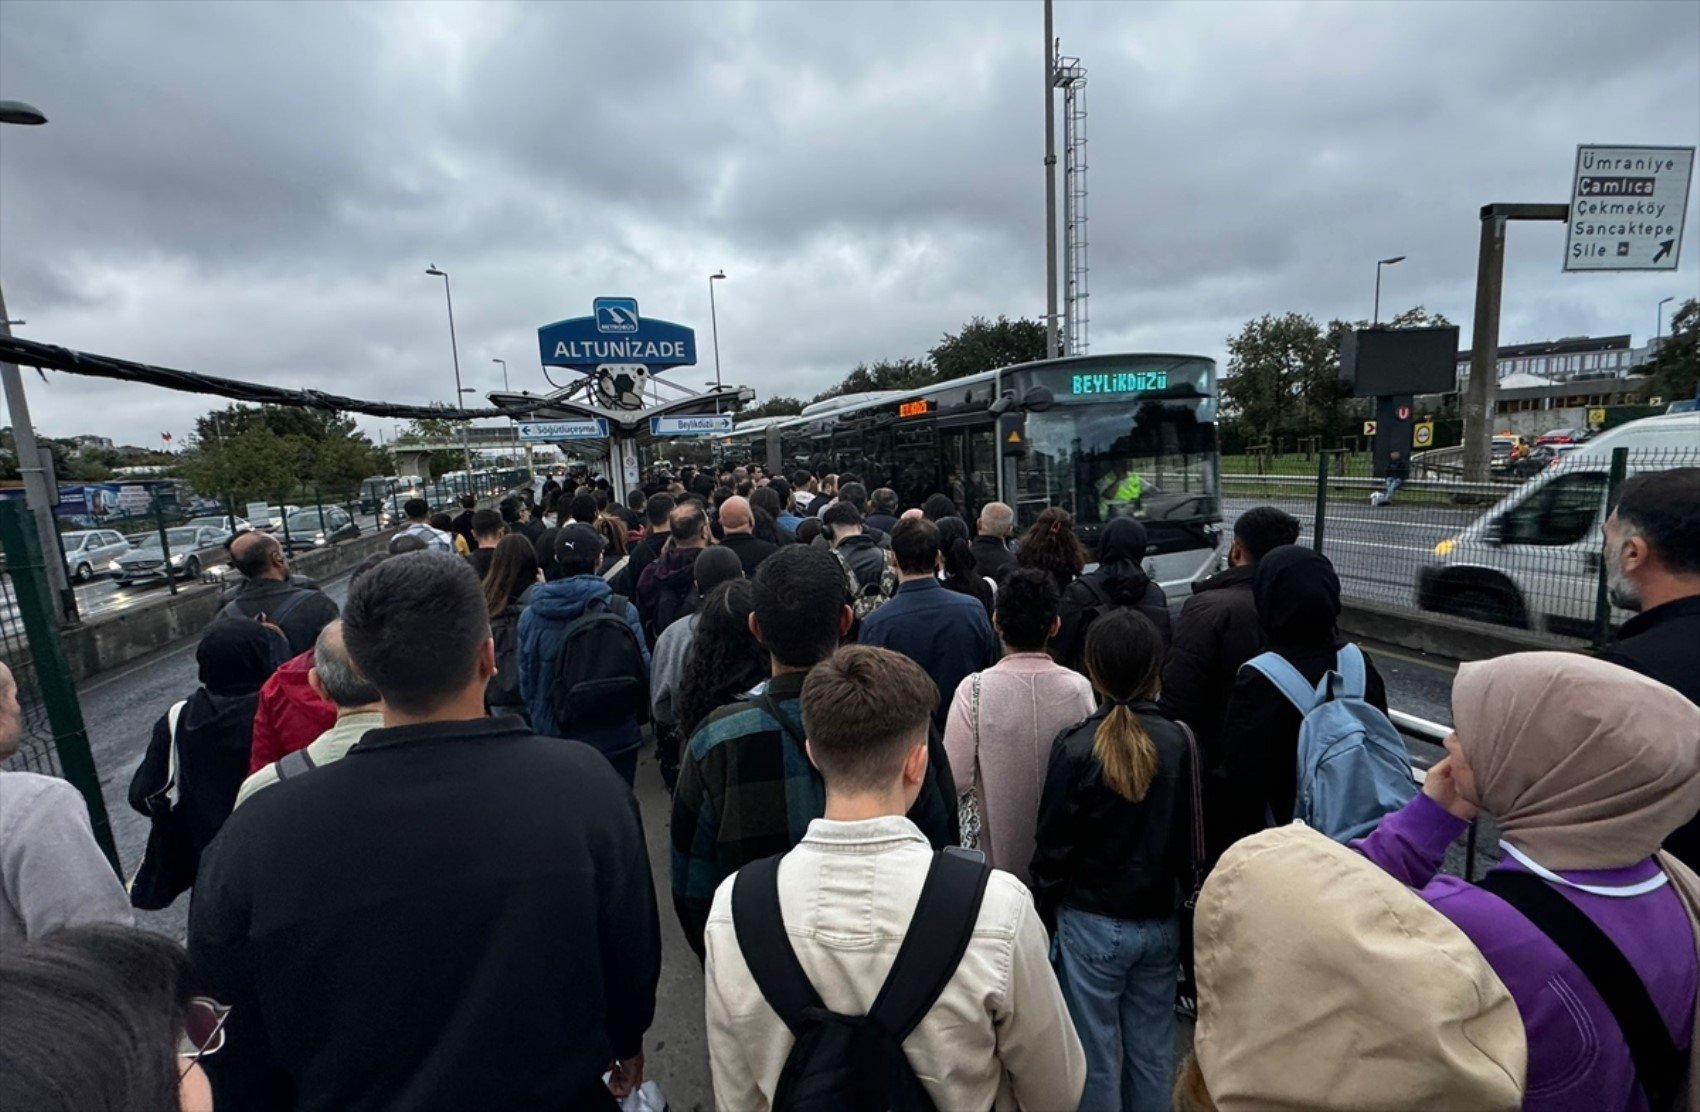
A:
{"points": [[1533, 561]]}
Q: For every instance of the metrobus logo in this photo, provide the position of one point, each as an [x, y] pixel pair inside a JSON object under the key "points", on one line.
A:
{"points": [[616, 314]]}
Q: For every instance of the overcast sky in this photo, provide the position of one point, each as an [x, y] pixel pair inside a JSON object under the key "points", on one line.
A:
{"points": [[255, 190]]}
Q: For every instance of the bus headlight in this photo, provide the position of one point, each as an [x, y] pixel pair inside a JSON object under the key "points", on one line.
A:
{"points": [[1446, 546]]}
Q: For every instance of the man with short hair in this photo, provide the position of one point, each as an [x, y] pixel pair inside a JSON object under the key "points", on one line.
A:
{"points": [[418, 512], [487, 531], [543, 630], [739, 523], [943, 631], [582, 509], [656, 512], [664, 588], [461, 526], [998, 1033], [883, 510], [859, 551], [826, 495], [52, 871], [746, 789], [377, 926], [334, 680], [1652, 559], [855, 494], [269, 593], [990, 546], [803, 491]]}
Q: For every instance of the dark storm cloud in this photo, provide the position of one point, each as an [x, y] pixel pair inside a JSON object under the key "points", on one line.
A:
{"points": [[255, 189]]}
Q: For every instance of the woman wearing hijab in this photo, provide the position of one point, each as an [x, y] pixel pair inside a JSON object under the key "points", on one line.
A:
{"points": [[213, 730], [1257, 751], [1326, 985], [1587, 767], [1119, 583]]}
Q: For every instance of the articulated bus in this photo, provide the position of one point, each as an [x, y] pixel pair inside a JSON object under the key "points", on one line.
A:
{"points": [[1102, 436]]}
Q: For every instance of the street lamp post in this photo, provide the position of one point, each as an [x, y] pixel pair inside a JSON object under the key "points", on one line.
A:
{"points": [[504, 364], [454, 349], [39, 498], [1378, 265], [1658, 317], [714, 324]]}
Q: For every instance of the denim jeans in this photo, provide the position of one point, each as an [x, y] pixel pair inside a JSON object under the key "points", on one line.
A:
{"points": [[1118, 978]]}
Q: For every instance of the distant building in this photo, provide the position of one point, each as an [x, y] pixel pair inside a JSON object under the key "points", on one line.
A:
{"points": [[1562, 360], [96, 442]]}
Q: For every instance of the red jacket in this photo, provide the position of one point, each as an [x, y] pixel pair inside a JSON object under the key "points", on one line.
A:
{"points": [[289, 716]]}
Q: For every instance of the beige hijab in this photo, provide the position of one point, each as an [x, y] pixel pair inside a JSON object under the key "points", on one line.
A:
{"points": [[1324, 983], [1586, 765]]}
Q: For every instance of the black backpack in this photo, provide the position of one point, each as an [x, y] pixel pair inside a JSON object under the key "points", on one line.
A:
{"points": [[503, 689], [843, 1063], [600, 679]]}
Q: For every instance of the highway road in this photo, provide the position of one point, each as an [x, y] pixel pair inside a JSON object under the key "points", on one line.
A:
{"points": [[121, 707]]}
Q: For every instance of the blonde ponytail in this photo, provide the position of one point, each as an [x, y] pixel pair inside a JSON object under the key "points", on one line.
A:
{"points": [[1126, 752]]}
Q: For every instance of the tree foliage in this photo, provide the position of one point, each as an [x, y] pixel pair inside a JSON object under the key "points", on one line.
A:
{"points": [[259, 452], [983, 345], [1676, 368], [781, 406]]}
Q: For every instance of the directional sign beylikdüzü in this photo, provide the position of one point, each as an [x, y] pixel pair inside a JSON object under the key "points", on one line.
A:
{"points": [[708, 424], [1627, 207], [586, 428]]}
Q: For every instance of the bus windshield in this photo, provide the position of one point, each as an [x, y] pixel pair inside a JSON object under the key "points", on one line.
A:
{"points": [[1153, 460]]}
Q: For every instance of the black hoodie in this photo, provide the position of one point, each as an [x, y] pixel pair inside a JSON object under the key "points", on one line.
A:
{"points": [[1298, 604], [1119, 583]]}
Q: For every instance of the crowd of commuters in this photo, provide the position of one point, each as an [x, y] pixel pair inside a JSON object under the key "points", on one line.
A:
{"points": [[954, 817]]}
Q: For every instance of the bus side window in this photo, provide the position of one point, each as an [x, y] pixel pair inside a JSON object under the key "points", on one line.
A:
{"points": [[1562, 512]]}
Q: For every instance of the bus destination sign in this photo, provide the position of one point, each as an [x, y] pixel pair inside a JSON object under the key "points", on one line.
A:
{"points": [[920, 407], [1124, 382]]}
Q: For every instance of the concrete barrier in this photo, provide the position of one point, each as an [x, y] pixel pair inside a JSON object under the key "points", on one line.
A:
{"points": [[1442, 635], [110, 640]]}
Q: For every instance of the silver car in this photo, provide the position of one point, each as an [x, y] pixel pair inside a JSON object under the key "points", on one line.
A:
{"points": [[89, 553], [192, 551]]}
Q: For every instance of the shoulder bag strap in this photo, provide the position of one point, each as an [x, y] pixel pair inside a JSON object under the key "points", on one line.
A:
{"points": [[1349, 664], [765, 702], [1286, 678], [760, 928], [1659, 1065], [290, 602], [975, 709], [933, 946], [172, 717], [293, 764], [1198, 848]]}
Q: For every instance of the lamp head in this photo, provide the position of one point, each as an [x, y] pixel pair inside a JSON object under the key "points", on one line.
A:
{"points": [[1390, 262], [17, 112], [717, 274], [435, 273]]}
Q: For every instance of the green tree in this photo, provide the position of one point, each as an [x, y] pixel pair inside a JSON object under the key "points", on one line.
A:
{"points": [[982, 345], [1281, 372], [1675, 370], [778, 406], [253, 464]]}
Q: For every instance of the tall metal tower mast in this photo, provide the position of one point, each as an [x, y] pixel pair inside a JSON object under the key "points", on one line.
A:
{"points": [[1070, 76]]}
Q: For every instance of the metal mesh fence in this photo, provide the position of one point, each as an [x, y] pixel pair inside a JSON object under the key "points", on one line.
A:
{"points": [[36, 751], [1524, 550]]}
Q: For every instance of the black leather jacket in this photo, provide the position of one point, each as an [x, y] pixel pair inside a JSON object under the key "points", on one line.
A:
{"points": [[1099, 852]]}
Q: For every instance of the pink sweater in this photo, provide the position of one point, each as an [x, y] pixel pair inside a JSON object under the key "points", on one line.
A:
{"points": [[1026, 700]]}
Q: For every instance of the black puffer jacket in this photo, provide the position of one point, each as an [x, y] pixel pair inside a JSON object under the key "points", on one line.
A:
{"points": [[1298, 604], [1119, 583], [1099, 852], [1215, 634]]}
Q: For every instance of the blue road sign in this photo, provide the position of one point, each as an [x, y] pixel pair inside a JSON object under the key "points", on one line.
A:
{"points": [[584, 428], [615, 333], [707, 424]]}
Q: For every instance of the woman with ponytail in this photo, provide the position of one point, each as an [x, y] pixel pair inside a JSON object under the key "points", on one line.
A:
{"points": [[1113, 856]]}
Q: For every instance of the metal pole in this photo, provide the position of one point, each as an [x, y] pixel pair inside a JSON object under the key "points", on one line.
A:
{"points": [[454, 349], [1050, 194], [1375, 317], [1658, 318], [1321, 499], [1602, 596], [164, 545], [714, 325], [38, 497], [1484, 349]]}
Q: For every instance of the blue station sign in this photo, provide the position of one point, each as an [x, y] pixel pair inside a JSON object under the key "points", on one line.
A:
{"points": [[616, 333]]}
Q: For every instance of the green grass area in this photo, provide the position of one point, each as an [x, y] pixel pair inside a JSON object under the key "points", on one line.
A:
{"points": [[1292, 463]]}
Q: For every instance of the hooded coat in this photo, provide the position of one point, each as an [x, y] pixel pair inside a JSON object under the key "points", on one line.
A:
{"points": [[550, 609], [1120, 578], [1256, 751], [665, 587]]}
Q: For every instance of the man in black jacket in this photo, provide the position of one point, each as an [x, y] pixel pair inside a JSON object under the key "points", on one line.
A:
{"points": [[458, 914], [1217, 630], [1119, 583], [740, 524], [1652, 563], [655, 512], [990, 547], [269, 593]]}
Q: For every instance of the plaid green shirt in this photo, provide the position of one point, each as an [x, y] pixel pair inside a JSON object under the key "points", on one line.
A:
{"points": [[747, 791]]}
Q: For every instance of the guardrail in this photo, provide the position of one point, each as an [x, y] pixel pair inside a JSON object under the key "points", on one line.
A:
{"points": [[1434, 733]]}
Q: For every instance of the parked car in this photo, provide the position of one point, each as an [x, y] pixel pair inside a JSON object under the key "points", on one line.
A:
{"points": [[1562, 436], [273, 518], [192, 552], [220, 522], [1533, 560], [90, 554], [306, 529]]}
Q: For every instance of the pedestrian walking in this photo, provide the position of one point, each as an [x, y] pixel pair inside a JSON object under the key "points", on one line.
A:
{"points": [[737, 518], [672, 651], [195, 763], [444, 525], [1112, 858], [746, 788], [513, 573], [725, 663], [863, 918], [1003, 720], [52, 871], [1587, 768], [990, 546], [664, 589], [461, 524], [1052, 546], [1324, 983], [487, 530], [376, 926], [957, 571], [418, 514], [882, 510], [1119, 582], [270, 593]]}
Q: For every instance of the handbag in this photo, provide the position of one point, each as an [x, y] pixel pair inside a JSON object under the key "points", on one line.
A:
{"points": [[168, 863], [1186, 990], [968, 803]]}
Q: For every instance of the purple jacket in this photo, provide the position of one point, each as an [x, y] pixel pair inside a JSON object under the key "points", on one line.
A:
{"points": [[1577, 1057]]}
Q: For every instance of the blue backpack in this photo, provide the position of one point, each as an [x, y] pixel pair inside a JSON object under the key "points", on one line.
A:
{"points": [[1353, 765]]}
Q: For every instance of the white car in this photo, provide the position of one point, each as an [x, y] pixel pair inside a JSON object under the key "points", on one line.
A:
{"points": [[1533, 561], [88, 554]]}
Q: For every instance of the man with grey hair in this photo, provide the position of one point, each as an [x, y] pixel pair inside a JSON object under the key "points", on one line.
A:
{"points": [[990, 548], [52, 873], [334, 679]]}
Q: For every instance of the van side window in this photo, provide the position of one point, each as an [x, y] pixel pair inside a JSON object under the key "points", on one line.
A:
{"points": [[1562, 512]]}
